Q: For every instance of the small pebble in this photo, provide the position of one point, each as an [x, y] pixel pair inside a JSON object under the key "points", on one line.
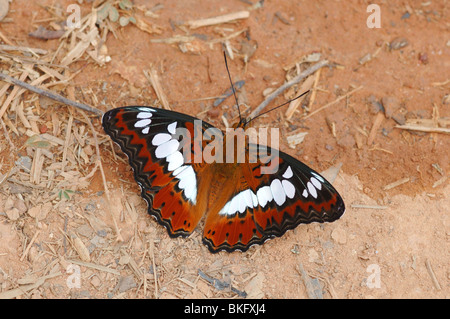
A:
{"points": [[423, 58], [390, 105], [398, 43], [406, 15]]}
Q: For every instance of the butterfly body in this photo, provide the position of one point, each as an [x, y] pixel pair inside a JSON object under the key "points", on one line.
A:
{"points": [[186, 177]]}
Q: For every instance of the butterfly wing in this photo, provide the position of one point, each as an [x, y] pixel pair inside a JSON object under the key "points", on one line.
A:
{"points": [[260, 206], [152, 138], [267, 205]]}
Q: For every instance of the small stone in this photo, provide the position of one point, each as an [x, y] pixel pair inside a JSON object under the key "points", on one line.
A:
{"points": [[423, 58], [339, 235], [126, 283], [85, 230], [102, 233], [390, 105], [347, 141], [40, 212], [406, 15], [13, 214], [312, 255], [399, 118], [34, 211], [374, 105], [398, 43], [446, 99], [9, 203], [24, 162]]}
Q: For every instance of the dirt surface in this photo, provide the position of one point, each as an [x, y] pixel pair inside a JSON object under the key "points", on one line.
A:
{"points": [[57, 235]]}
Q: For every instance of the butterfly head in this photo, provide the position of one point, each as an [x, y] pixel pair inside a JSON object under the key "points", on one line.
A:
{"points": [[243, 123]]}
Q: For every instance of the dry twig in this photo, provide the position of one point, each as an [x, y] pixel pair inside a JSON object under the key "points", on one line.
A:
{"points": [[46, 93], [287, 85], [194, 24], [396, 183], [153, 78]]}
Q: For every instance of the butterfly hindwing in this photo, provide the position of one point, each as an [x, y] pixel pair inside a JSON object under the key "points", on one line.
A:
{"points": [[267, 205]]}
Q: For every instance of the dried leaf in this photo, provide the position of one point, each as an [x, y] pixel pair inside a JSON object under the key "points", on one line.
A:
{"points": [[113, 14], [125, 5], [36, 142], [123, 21], [81, 249], [103, 12]]}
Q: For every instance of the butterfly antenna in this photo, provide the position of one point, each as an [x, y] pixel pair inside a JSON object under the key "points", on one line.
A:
{"points": [[277, 107], [232, 86]]}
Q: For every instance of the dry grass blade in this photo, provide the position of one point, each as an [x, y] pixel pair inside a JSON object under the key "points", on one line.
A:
{"points": [[334, 102], [152, 256], [175, 39], [25, 253], [396, 183], [6, 47], [376, 125], [306, 85], [368, 206], [5, 39], [314, 90], [17, 292], [153, 78], [13, 92], [11, 144], [94, 266], [440, 181], [434, 125], [421, 128], [194, 24], [67, 142], [432, 275]]}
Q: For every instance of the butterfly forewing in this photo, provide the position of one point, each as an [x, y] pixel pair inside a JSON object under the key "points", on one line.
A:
{"points": [[167, 179]]}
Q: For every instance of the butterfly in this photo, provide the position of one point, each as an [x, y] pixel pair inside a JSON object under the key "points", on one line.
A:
{"points": [[240, 203]]}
